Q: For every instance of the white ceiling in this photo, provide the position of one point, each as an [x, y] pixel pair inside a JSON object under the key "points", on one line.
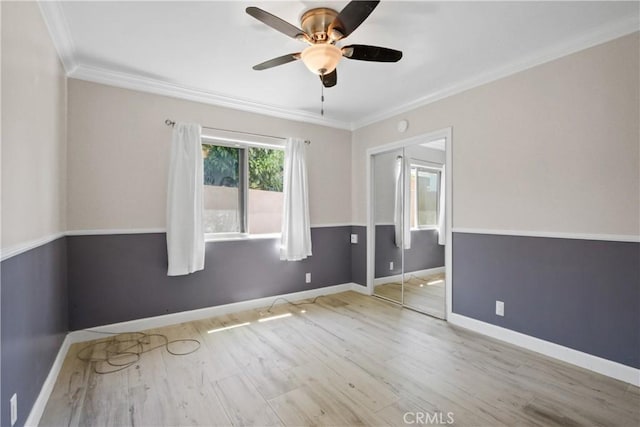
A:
{"points": [[205, 50]]}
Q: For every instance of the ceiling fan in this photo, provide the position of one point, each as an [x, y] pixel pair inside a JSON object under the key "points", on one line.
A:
{"points": [[322, 28]]}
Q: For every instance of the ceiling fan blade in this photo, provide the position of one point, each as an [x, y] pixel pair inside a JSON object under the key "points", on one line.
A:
{"points": [[363, 52], [276, 23], [350, 18], [284, 59], [330, 80]]}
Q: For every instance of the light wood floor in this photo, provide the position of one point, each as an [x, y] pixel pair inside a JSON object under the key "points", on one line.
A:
{"points": [[418, 293], [349, 359]]}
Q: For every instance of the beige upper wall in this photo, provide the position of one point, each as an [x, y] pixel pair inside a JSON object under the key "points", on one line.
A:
{"points": [[553, 148], [119, 153], [33, 128]]}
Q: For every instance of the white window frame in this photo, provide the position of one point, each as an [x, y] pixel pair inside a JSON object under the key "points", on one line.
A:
{"points": [[434, 168], [218, 138]]}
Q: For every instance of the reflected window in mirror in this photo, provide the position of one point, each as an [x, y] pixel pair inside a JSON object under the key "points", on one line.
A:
{"points": [[425, 197]]}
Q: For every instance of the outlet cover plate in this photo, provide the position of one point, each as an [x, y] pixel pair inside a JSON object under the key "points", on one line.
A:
{"points": [[14, 408], [500, 308]]}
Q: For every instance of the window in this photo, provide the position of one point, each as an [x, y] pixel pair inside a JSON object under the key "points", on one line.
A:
{"points": [[242, 189], [424, 200]]}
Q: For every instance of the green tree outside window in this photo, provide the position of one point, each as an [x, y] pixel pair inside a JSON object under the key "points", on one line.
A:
{"points": [[221, 167]]}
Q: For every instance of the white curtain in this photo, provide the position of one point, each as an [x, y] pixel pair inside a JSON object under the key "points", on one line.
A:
{"points": [[185, 236], [401, 212], [442, 233], [296, 227]]}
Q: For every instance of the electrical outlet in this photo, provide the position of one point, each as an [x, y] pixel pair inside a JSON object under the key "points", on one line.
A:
{"points": [[354, 238], [307, 278], [500, 308], [14, 408], [391, 265]]}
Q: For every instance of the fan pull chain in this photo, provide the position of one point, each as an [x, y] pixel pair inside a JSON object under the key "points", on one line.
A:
{"points": [[321, 98]]}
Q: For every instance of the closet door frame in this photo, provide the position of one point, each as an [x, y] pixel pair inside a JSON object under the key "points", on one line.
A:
{"points": [[447, 134]]}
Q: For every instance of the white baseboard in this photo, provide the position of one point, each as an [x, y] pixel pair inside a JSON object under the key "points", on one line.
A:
{"points": [[584, 360], [201, 313], [360, 289], [387, 279], [41, 401], [165, 320], [398, 277]]}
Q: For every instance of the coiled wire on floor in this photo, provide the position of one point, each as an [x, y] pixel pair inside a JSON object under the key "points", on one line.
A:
{"points": [[120, 351], [295, 304]]}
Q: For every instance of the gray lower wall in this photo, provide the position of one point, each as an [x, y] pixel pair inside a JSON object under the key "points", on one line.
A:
{"points": [[577, 293], [425, 252], [582, 294], [34, 322], [115, 278]]}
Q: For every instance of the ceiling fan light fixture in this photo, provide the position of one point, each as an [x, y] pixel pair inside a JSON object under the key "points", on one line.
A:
{"points": [[321, 58]]}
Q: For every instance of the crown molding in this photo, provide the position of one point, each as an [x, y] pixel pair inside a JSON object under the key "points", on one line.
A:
{"points": [[615, 30], [60, 33], [159, 87], [56, 23]]}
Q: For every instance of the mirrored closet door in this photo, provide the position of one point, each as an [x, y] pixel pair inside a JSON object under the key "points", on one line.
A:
{"points": [[408, 213], [387, 212]]}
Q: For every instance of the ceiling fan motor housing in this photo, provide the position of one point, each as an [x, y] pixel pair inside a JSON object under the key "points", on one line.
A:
{"points": [[316, 22]]}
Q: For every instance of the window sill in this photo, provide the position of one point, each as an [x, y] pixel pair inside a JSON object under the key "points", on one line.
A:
{"points": [[431, 227], [231, 237]]}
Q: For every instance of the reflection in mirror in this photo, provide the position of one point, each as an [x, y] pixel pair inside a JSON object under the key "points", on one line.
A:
{"points": [[424, 272], [387, 212], [408, 221]]}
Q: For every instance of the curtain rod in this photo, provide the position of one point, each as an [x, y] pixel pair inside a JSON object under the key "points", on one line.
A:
{"points": [[172, 123]]}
